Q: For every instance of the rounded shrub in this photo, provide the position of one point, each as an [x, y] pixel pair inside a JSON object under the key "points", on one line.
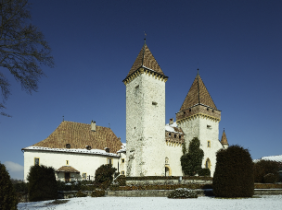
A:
{"points": [[8, 198], [270, 178], [42, 183], [264, 167], [98, 193], [233, 176], [183, 193], [104, 176]]}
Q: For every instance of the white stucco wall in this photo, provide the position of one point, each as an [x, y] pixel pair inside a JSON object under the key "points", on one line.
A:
{"points": [[174, 152], [145, 131], [197, 127], [85, 163]]}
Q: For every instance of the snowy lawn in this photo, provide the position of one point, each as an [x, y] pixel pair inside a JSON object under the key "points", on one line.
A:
{"points": [[270, 202]]}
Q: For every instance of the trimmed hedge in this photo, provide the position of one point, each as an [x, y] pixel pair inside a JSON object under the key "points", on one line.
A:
{"points": [[181, 193], [264, 167], [98, 193], [42, 183], [160, 187], [233, 176], [104, 176], [168, 178], [205, 172], [80, 194], [8, 198]]}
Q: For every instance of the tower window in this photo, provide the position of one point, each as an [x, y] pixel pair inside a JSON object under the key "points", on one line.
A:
{"points": [[209, 144], [154, 103], [122, 160], [209, 126]]}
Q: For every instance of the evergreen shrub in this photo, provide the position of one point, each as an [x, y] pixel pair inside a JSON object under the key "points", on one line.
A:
{"points": [[42, 183], [80, 194], [233, 176], [104, 176], [192, 161], [98, 193], [8, 197], [270, 178], [205, 172], [183, 193], [264, 167]]}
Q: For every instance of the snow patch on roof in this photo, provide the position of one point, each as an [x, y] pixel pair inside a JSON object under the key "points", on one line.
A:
{"points": [[84, 151], [170, 127], [274, 158], [123, 146]]}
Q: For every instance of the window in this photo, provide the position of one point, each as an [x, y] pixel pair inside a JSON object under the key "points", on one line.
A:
{"points": [[109, 161], [209, 126], [209, 144], [154, 103], [68, 146], [122, 160], [36, 161], [174, 135], [67, 162], [169, 134], [179, 136], [122, 172], [84, 176], [208, 163]]}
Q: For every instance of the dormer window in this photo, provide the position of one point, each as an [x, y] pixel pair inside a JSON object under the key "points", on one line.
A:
{"points": [[107, 149], [88, 147], [68, 146]]}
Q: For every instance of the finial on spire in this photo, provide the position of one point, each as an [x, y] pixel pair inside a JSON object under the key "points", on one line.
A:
{"points": [[145, 35], [198, 71], [63, 118]]}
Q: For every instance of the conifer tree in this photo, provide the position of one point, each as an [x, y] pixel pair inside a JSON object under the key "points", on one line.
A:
{"points": [[8, 198], [42, 183], [192, 161]]}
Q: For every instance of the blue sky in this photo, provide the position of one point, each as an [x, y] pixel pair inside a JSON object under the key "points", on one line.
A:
{"points": [[236, 44]]}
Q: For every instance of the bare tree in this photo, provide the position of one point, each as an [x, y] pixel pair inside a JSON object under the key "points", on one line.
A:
{"points": [[23, 49]]}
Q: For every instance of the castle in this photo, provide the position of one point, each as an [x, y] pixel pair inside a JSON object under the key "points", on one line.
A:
{"points": [[153, 148]]}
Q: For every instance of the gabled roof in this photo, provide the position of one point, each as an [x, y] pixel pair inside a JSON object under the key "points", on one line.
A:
{"points": [[67, 169], [224, 139], [198, 94], [79, 135], [146, 60]]}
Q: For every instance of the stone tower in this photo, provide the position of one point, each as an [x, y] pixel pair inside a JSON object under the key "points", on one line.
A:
{"points": [[145, 116], [199, 117]]}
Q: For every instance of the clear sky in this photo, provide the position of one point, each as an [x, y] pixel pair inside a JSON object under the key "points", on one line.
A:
{"points": [[237, 45]]}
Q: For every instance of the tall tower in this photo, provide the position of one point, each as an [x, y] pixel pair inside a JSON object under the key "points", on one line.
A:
{"points": [[199, 117], [145, 116]]}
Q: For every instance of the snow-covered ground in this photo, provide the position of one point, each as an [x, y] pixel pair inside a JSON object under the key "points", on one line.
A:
{"points": [[270, 202]]}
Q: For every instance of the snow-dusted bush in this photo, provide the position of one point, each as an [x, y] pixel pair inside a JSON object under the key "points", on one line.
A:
{"points": [[183, 193], [264, 167]]}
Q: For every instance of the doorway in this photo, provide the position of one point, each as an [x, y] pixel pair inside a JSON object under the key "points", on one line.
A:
{"points": [[67, 177]]}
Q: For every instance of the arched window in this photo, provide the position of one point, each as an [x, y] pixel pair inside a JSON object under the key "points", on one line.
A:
{"points": [[208, 163]]}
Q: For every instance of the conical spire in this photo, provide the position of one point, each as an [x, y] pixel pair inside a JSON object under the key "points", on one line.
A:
{"points": [[224, 138], [198, 94], [146, 60]]}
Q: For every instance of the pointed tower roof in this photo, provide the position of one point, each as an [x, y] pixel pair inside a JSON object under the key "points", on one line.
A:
{"points": [[146, 60], [198, 94], [224, 138]]}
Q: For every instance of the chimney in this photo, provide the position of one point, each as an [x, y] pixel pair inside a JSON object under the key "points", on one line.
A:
{"points": [[170, 121], [93, 125]]}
